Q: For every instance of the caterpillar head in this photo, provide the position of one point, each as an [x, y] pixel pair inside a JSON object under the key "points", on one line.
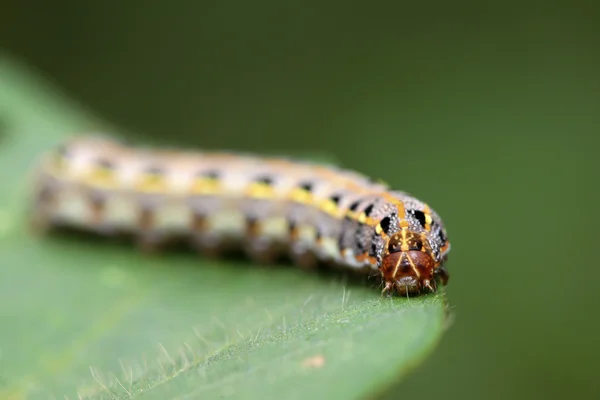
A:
{"points": [[408, 264]]}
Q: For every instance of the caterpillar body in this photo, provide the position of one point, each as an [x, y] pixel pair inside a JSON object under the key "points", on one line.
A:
{"points": [[265, 206]]}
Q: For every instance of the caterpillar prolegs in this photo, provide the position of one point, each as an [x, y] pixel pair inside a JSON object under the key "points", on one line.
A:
{"points": [[266, 206]]}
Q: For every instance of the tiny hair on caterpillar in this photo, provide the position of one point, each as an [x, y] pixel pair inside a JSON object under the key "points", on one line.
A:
{"points": [[266, 206]]}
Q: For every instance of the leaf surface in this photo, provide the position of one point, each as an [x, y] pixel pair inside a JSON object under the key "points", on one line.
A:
{"points": [[84, 317]]}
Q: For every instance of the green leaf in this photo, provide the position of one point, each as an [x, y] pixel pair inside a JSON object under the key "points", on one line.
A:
{"points": [[86, 317]]}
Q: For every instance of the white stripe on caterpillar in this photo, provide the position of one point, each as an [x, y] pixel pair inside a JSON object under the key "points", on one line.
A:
{"points": [[267, 206]]}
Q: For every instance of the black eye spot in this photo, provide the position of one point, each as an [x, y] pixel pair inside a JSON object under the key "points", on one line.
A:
{"points": [[420, 216], [265, 180], [307, 186], [335, 198], [373, 249], [385, 224], [442, 236], [368, 210], [354, 206]]}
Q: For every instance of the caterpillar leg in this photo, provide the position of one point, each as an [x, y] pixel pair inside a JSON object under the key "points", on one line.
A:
{"points": [[302, 240], [204, 240], [261, 243], [262, 253], [305, 259], [148, 240]]}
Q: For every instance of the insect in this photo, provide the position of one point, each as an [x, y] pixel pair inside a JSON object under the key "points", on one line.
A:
{"points": [[267, 207]]}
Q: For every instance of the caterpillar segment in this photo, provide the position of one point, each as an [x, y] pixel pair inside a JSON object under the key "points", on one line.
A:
{"points": [[268, 207]]}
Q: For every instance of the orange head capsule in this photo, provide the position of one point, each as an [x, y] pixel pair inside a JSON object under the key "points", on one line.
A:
{"points": [[408, 264]]}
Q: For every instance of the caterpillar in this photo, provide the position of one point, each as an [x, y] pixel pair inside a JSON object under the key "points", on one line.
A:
{"points": [[265, 206]]}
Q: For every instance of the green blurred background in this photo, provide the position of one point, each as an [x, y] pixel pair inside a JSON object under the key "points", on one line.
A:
{"points": [[489, 112]]}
